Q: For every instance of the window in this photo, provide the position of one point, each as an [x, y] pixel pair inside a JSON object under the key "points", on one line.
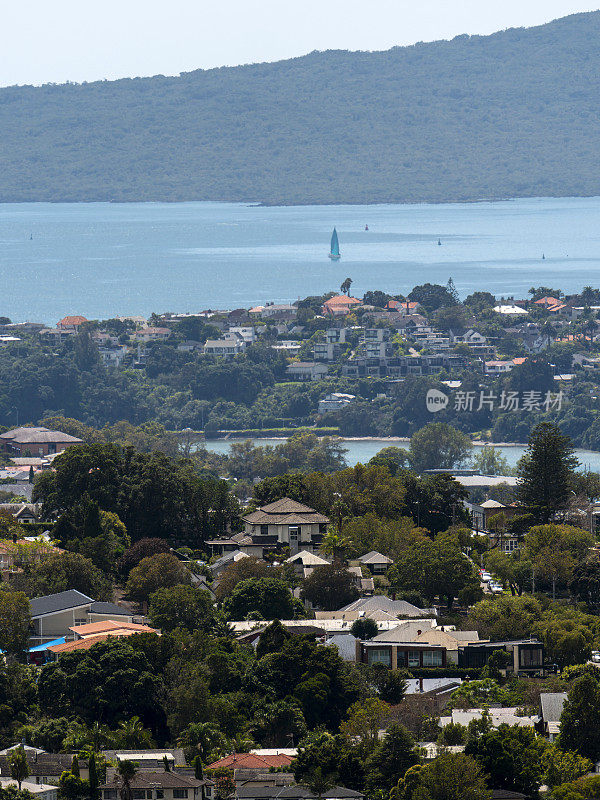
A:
{"points": [[264, 530], [531, 657], [380, 656], [432, 658], [139, 794], [110, 794], [81, 621], [180, 794], [401, 658], [322, 527], [160, 794], [149, 794], [414, 658], [294, 533]]}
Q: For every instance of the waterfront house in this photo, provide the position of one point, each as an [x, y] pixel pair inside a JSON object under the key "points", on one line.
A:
{"points": [[340, 305], [71, 323], [228, 347]]}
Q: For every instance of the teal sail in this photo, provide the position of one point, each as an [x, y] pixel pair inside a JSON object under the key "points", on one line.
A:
{"points": [[334, 253]]}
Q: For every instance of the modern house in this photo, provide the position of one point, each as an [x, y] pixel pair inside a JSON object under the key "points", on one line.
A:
{"points": [[385, 649], [306, 370], [335, 401], [35, 441], [378, 608], [527, 655], [450, 640], [86, 636], [288, 523], [54, 615], [228, 347]]}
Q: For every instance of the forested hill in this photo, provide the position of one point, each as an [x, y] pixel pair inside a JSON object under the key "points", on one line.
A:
{"points": [[513, 114]]}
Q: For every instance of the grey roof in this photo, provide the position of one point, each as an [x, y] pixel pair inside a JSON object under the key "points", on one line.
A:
{"points": [[552, 705], [160, 780], [375, 558], [100, 607], [34, 435], [293, 792], [51, 603], [406, 632], [287, 506], [382, 603]]}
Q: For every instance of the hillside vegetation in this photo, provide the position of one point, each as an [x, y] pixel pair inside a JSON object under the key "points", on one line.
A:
{"points": [[508, 115]]}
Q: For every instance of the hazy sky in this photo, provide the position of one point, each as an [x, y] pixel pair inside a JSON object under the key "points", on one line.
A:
{"points": [[58, 40]]}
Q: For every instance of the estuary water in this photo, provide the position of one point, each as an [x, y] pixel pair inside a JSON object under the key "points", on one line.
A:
{"points": [[104, 259], [362, 450]]}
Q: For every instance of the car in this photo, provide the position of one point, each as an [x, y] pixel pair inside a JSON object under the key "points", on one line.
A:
{"points": [[496, 588], [486, 577]]}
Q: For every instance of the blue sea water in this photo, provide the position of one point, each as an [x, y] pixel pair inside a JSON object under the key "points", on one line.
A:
{"points": [[103, 259], [362, 450]]}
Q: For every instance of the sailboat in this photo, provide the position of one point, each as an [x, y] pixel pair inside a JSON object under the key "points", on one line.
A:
{"points": [[334, 253]]}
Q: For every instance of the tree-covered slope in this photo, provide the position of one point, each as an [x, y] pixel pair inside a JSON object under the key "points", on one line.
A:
{"points": [[513, 114]]}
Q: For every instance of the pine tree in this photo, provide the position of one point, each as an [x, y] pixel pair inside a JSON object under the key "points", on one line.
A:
{"points": [[545, 471], [93, 777]]}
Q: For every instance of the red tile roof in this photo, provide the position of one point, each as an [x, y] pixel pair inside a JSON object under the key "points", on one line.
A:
{"points": [[71, 322], [251, 761]]}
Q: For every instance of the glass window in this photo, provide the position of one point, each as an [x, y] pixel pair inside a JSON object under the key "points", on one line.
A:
{"points": [[401, 658], [294, 531], [160, 794], [414, 658], [139, 794], [531, 657], [264, 530], [110, 794], [149, 794], [380, 656], [180, 793], [432, 658]]}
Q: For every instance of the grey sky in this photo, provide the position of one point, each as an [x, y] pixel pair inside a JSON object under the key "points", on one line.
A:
{"points": [[59, 40]]}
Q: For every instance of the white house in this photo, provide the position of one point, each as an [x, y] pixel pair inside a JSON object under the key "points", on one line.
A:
{"points": [[307, 370]]}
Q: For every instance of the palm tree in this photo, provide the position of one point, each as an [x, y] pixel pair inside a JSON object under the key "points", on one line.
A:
{"points": [[132, 735], [345, 287], [335, 544], [126, 770], [202, 737]]}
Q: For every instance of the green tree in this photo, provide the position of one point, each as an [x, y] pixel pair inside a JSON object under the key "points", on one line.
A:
{"points": [[15, 622], [563, 766], [268, 597], [512, 756], [17, 763], [451, 776], [272, 638], [554, 550], [126, 772], [546, 471], [435, 569], [580, 720], [153, 573], [64, 571], [364, 628], [181, 606], [365, 720], [93, 781], [394, 458], [393, 757], [488, 461], [438, 446], [329, 587]]}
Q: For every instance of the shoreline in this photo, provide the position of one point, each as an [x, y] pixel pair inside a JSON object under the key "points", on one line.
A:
{"points": [[391, 439]]}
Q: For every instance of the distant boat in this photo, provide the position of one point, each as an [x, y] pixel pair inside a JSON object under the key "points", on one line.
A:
{"points": [[366, 227], [439, 242], [543, 256], [334, 253], [30, 236]]}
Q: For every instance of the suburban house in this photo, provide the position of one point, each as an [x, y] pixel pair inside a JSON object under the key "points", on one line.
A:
{"points": [[25, 513], [335, 401], [450, 640], [44, 768], [306, 370], [19, 554], [71, 323], [340, 305], [149, 760], [41, 791], [158, 786], [288, 523], [389, 649], [227, 347], [375, 562], [379, 608], [527, 655], [481, 513], [512, 716], [304, 562], [54, 615], [151, 334], [551, 708], [87, 636], [35, 441], [251, 791]]}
